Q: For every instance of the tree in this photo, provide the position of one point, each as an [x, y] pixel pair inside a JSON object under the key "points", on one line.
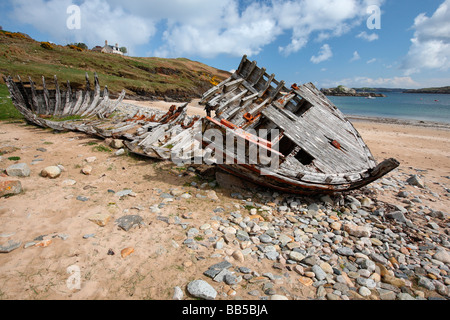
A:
{"points": [[82, 46], [123, 50]]}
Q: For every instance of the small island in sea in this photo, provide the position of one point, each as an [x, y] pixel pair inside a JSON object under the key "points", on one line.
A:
{"points": [[349, 92]]}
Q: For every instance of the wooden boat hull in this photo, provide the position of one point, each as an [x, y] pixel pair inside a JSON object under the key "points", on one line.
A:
{"points": [[320, 151], [308, 145]]}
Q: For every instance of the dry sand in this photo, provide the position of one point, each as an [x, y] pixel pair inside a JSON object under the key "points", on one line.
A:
{"points": [[160, 261]]}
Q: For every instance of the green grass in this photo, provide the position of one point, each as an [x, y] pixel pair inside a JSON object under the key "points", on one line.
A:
{"points": [[60, 119], [138, 76], [101, 148], [7, 109]]}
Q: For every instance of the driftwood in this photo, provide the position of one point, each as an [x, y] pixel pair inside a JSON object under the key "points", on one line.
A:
{"points": [[305, 144]]}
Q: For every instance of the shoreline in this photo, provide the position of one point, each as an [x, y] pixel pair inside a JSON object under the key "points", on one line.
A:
{"points": [[194, 108], [405, 122]]}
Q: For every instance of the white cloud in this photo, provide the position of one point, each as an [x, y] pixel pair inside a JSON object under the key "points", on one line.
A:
{"points": [[369, 37], [371, 60], [224, 30], [327, 18], [99, 22], [325, 54], [358, 82], [430, 47], [198, 27], [355, 56]]}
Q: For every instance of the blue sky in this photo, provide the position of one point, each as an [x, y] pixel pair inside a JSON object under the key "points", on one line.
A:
{"points": [[327, 42]]}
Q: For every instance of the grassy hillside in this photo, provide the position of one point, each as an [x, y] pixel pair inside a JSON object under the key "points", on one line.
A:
{"points": [[146, 78], [441, 90]]}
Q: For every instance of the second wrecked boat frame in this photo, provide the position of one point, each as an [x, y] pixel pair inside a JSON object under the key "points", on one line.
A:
{"points": [[309, 146]]}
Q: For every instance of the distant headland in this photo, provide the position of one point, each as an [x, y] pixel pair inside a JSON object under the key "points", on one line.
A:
{"points": [[344, 91], [378, 92]]}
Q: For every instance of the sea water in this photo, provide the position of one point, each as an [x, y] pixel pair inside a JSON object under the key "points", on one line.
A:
{"points": [[406, 106]]}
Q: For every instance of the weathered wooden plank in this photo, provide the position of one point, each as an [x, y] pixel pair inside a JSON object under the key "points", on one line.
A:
{"points": [[68, 104], [267, 85], [277, 91], [315, 146], [46, 97], [116, 103], [58, 106], [257, 76], [154, 136], [17, 98], [94, 103], [241, 65], [230, 86], [230, 101], [104, 104], [77, 104], [34, 99], [248, 70], [24, 93], [282, 102]]}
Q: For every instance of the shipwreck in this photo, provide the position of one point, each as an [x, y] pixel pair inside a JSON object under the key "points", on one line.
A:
{"points": [[290, 139]]}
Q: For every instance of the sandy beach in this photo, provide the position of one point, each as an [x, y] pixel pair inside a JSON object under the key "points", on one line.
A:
{"points": [[55, 218]]}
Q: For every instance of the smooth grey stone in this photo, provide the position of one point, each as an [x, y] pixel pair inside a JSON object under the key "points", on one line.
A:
{"points": [[202, 289]]}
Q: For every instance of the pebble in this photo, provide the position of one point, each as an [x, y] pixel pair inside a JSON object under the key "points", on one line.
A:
{"points": [[90, 159], [119, 152], [123, 193], [116, 144], [86, 170], [126, 252], [319, 273], [345, 251], [415, 180], [238, 256], [201, 289], [296, 256], [129, 221], [68, 183], [357, 231], [443, 256], [178, 294], [51, 172], [18, 170], [11, 245], [101, 219], [365, 292]]}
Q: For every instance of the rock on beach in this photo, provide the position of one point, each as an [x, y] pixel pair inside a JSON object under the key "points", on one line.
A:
{"points": [[202, 289], [10, 187], [18, 170], [51, 172]]}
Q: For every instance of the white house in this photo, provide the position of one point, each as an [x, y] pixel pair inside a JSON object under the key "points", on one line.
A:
{"points": [[111, 49]]}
